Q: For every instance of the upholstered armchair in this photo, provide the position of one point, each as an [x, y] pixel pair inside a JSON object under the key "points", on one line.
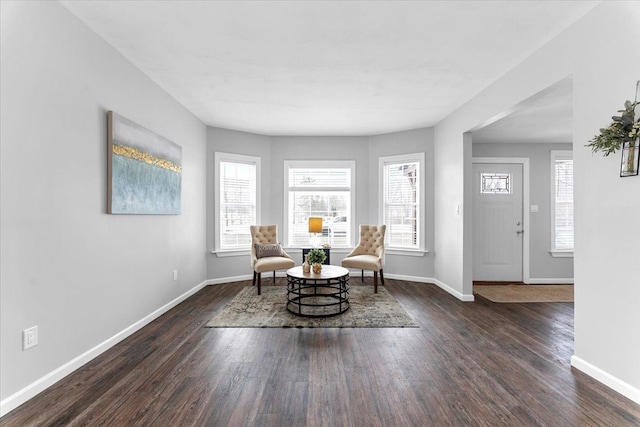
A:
{"points": [[369, 254], [267, 253]]}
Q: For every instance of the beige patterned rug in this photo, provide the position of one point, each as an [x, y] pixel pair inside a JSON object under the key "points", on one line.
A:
{"points": [[368, 310], [525, 293]]}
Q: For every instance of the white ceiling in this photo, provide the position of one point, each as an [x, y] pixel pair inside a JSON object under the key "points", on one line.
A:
{"points": [[326, 67], [546, 117]]}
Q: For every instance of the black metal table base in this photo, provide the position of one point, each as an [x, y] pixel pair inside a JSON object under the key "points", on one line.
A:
{"points": [[318, 297]]}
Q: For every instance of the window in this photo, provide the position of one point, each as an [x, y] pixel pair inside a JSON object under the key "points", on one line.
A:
{"points": [[237, 200], [495, 183], [402, 205], [561, 203], [319, 189]]}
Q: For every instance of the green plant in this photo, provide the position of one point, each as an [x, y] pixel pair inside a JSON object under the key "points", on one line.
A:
{"points": [[624, 128], [316, 256]]}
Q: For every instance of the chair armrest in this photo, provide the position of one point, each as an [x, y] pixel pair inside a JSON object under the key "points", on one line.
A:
{"points": [[285, 254], [380, 253], [358, 250]]}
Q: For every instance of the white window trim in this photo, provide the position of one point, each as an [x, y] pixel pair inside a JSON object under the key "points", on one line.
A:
{"points": [[554, 155], [237, 158], [406, 251], [346, 164], [420, 158], [561, 254]]}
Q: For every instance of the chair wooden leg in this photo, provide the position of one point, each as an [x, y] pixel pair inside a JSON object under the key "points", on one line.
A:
{"points": [[259, 277], [375, 282], [381, 277], [254, 279]]}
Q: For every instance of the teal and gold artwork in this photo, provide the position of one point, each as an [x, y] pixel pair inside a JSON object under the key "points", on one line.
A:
{"points": [[144, 170]]}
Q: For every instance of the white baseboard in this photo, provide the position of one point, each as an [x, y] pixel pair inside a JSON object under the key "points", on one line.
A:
{"points": [[459, 295], [267, 275], [357, 273], [438, 283], [546, 281], [625, 389], [229, 279], [10, 403]]}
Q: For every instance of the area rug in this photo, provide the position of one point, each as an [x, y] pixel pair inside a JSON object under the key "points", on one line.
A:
{"points": [[525, 293], [368, 310]]}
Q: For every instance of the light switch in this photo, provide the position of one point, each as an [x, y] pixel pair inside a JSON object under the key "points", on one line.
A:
{"points": [[534, 208]]}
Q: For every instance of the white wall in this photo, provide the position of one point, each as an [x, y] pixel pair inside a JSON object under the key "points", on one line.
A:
{"points": [[607, 326], [222, 268], [80, 275], [449, 201], [413, 141], [542, 266], [321, 148], [274, 150], [600, 51]]}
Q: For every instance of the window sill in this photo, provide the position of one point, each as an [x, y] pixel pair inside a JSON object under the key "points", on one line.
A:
{"points": [[406, 252], [334, 249], [388, 251], [561, 254], [239, 252]]}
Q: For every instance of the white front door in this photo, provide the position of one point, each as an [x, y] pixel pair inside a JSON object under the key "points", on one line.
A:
{"points": [[497, 222]]}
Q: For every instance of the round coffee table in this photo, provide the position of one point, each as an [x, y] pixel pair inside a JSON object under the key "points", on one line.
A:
{"points": [[318, 295]]}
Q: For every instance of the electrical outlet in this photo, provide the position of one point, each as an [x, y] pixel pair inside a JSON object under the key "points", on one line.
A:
{"points": [[29, 338], [175, 275]]}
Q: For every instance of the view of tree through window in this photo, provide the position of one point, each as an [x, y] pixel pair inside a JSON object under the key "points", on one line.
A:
{"points": [[323, 192]]}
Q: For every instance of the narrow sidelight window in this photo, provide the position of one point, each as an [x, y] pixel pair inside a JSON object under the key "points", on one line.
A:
{"points": [[237, 200], [402, 200], [562, 201]]}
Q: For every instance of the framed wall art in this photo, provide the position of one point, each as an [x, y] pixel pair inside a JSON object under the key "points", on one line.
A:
{"points": [[144, 170]]}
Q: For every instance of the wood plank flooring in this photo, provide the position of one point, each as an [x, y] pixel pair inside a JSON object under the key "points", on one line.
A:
{"points": [[469, 364]]}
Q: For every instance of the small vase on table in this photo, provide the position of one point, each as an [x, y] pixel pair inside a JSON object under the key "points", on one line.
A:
{"points": [[306, 268]]}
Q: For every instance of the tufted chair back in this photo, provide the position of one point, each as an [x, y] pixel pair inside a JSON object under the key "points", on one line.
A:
{"points": [[262, 234], [369, 254], [372, 240]]}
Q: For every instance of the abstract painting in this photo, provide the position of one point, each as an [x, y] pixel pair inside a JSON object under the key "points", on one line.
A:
{"points": [[144, 170]]}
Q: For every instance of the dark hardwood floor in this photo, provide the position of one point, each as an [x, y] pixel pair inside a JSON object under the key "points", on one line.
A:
{"points": [[469, 364]]}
